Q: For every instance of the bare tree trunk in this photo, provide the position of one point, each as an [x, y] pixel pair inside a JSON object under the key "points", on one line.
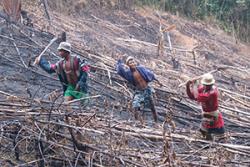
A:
{"points": [[45, 4], [129, 4], [13, 9], [125, 4]]}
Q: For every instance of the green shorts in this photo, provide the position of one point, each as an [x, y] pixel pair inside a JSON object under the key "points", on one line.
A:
{"points": [[70, 91]]}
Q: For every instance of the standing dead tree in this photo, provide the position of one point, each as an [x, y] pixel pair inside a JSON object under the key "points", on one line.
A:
{"points": [[46, 6], [160, 45], [160, 48], [13, 9]]}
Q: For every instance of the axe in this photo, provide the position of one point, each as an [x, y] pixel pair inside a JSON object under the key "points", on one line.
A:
{"points": [[60, 38], [200, 76]]}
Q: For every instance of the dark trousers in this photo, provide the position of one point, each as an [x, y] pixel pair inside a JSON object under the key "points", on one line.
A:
{"points": [[208, 133]]}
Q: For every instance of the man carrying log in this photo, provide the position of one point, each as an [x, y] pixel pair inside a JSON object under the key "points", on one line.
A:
{"points": [[139, 77], [71, 71], [207, 95]]}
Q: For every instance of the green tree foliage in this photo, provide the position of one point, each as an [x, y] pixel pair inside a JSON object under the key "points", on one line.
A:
{"points": [[232, 15]]}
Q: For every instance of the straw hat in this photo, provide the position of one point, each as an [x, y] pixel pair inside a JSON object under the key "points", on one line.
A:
{"points": [[207, 79], [64, 46]]}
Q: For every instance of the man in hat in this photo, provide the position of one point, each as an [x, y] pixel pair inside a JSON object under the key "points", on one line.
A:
{"points": [[207, 95], [71, 71], [139, 77]]}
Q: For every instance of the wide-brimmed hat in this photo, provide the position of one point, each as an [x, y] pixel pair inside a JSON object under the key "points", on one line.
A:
{"points": [[207, 79], [128, 58], [64, 46]]}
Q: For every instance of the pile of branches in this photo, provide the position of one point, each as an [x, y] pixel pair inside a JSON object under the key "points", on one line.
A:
{"points": [[38, 128]]}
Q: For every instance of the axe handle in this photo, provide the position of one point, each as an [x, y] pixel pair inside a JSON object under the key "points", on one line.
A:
{"points": [[197, 77], [46, 48]]}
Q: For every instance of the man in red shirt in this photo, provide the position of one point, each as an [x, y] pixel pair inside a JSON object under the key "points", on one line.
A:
{"points": [[207, 95]]}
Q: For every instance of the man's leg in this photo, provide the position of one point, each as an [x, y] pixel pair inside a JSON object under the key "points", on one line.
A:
{"points": [[149, 102], [68, 98], [136, 104], [74, 135], [78, 95], [68, 109], [219, 133], [66, 119], [138, 114], [68, 94], [206, 134], [152, 107], [205, 131]]}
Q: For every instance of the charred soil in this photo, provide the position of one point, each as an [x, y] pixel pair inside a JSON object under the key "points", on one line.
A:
{"points": [[36, 129]]}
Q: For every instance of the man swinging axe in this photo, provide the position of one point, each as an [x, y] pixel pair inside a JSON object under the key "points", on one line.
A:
{"points": [[72, 72], [207, 95], [73, 75], [139, 77]]}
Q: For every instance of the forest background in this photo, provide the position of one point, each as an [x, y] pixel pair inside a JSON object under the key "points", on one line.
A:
{"points": [[233, 16]]}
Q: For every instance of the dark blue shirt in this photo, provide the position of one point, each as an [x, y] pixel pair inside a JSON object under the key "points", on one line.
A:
{"points": [[127, 74]]}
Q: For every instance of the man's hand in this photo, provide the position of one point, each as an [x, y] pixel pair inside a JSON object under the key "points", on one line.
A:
{"points": [[160, 84], [77, 88], [121, 57], [37, 60], [190, 82]]}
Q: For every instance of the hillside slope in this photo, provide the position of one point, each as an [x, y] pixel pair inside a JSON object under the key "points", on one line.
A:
{"points": [[105, 133]]}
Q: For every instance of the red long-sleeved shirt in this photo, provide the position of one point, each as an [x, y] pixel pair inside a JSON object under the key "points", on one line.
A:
{"points": [[209, 103]]}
